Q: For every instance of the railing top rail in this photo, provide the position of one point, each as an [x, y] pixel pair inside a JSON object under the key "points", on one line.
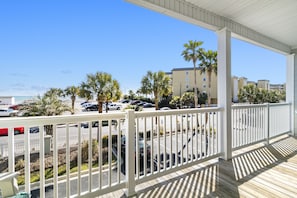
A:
{"points": [[240, 106], [177, 112], [46, 120]]}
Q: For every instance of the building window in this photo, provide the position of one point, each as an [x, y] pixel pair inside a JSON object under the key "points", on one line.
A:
{"points": [[204, 79]]}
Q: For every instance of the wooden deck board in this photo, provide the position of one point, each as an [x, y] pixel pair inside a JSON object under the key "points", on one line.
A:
{"points": [[258, 171]]}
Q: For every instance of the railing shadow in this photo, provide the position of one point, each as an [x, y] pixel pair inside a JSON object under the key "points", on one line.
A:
{"points": [[222, 178]]}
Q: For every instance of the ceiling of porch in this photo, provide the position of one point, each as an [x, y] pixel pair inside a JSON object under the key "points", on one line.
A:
{"points": [[270, 23]]}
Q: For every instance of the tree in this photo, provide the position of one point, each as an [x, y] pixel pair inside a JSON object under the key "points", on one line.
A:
{"points": [[187, 99], [193, 52], [156, 83], [47, 105], [254, 95], [131, 95], [248, 93], [102, 86], [84, 92], [112, 93], [208, 65], [72, 91], [175, 101]]}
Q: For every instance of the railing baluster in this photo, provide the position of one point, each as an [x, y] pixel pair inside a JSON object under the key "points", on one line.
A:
{"points": [[170, 157], [79, 153], [137, 162], [90, 156], [119, 151], [27, 160], [55, 161], [164, 142], [68, 191], [145, 147], [41, 171], [158, 143], [109, 153]]}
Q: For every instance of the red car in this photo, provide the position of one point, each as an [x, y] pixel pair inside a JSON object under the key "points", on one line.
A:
{"points": [[17, 130]]}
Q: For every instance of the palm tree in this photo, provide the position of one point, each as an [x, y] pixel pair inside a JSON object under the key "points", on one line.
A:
{"points": [[57, 92], [47, 105], [102, 86], [156, 83], [112, 93], [72, 91], [248, 93], [84, 92], [192, 52], [208, 65]]}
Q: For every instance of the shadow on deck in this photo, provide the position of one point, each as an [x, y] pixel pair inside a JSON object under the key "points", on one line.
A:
{"points": [[255, 171]]}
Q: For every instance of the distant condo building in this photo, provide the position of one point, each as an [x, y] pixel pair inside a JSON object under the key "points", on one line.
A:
{"points": [[263, 84], [182, 80]]}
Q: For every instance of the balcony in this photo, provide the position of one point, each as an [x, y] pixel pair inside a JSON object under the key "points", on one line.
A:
{"points": [[164, 153]]}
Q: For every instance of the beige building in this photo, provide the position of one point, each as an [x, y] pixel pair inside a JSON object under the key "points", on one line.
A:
{"points": [[242, 81], [278, 87], [183, 80], [263, 84]]}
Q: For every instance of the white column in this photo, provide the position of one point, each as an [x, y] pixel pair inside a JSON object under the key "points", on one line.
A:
{"points": [[224, 90], [291, 91], [130, 154]]}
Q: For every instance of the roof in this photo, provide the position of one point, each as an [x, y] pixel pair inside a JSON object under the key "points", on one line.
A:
{"points": [[268, 23], [185, 69]]}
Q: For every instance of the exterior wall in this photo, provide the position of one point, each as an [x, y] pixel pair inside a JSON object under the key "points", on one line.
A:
{"points": [[7, 100], [183, 80], [242, 81], [263, 84], [279, 87], [251, 83]]}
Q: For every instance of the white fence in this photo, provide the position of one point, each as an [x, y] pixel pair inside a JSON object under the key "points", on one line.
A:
{"points": [[255, 123], [129, 148]]}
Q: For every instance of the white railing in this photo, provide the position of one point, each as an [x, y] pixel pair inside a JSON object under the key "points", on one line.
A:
{"points": [[167, 141], [256, 123], [133, 147]]}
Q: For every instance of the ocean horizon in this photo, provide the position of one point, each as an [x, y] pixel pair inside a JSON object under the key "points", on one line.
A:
{"points": [[22, 99]]}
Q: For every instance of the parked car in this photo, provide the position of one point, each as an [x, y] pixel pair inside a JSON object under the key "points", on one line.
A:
{"points": [[148, 105], [141, 147], [34, 129], [93, 107], [165, 108], [17, 130], [8, 112], [96, 123], [85, 105], [135, 102], [114, 106]]}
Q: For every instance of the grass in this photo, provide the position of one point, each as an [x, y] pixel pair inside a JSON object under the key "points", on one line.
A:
{"points": [[49, 173]]}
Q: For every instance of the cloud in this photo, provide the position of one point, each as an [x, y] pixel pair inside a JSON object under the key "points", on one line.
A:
{"points": [[66, 71]]}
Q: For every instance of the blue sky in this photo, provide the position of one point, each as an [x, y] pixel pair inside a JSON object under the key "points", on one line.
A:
{"points": [[55, 44]]}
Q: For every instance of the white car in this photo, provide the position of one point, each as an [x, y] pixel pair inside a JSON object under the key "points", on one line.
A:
{"points": [[114, 106], [8, 112]]}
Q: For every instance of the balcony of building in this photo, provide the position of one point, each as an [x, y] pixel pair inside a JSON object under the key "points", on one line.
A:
{"points": [[174, 152]]}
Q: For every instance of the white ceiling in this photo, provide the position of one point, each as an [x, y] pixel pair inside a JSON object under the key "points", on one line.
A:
{"points": [[275, 20]]}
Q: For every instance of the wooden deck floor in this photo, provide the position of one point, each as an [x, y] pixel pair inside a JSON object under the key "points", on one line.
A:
{"points": [[257, 171]]}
